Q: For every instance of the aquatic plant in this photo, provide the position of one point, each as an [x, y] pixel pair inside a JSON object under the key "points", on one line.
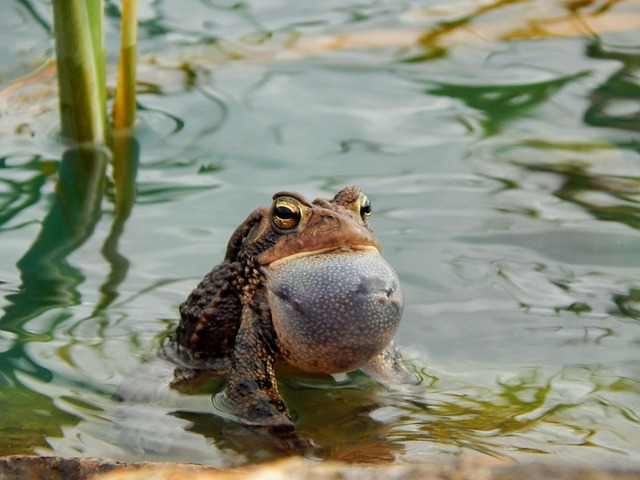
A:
{"points": [[80, 54], [79, 40]]}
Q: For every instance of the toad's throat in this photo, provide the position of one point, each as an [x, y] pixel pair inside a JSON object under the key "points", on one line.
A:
{"points": [[333, 310]]}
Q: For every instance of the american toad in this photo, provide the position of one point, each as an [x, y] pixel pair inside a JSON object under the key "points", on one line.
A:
{"points": [[303, 282]]}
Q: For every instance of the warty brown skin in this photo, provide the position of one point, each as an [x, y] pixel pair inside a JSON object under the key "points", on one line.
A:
{"points": [[226, 323]]}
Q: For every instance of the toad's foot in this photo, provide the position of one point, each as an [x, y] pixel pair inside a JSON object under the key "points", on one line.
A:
{"points": [[388, 369]]}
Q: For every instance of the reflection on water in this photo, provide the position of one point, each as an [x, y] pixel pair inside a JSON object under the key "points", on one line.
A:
{"points": [[615, 103], [498, 145], [47, 282]]}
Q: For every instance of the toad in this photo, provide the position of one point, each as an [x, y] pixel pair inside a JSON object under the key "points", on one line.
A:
{"points": [[302, 282]]}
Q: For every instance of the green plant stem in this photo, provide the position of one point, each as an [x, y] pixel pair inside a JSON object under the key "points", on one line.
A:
{"points": [[80, 57]]}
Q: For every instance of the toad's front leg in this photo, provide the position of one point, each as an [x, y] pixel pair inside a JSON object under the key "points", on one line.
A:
{"points": [[252, 387]]}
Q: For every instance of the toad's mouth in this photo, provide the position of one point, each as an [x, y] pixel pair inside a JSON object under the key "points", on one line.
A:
{"points": [[334, 309], [322, 251]]}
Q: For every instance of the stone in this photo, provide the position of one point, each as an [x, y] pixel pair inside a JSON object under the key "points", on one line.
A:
{"points": [[30, 467]]}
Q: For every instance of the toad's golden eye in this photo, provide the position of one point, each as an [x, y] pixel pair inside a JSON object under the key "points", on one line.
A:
{"points": [[364, 207], [286, 213]]}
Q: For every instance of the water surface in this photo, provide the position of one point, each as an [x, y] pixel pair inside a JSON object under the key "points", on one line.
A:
{"points": [[498, 143]]}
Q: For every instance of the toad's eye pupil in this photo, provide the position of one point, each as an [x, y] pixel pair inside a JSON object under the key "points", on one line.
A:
{"points": [[285, 212], [365, 208]]}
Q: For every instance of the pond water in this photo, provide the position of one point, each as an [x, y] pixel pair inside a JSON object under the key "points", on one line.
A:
{"points": [[498, 143]]}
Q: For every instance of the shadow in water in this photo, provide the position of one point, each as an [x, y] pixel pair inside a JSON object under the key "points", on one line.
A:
{"points": [[49, 281], [497, 412], [126, 152], [335, 419], [614, 103], [577, 181], [503, 103]]}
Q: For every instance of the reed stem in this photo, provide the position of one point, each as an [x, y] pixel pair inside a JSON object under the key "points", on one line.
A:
{"points": [[78, 26], [124, 108]]}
